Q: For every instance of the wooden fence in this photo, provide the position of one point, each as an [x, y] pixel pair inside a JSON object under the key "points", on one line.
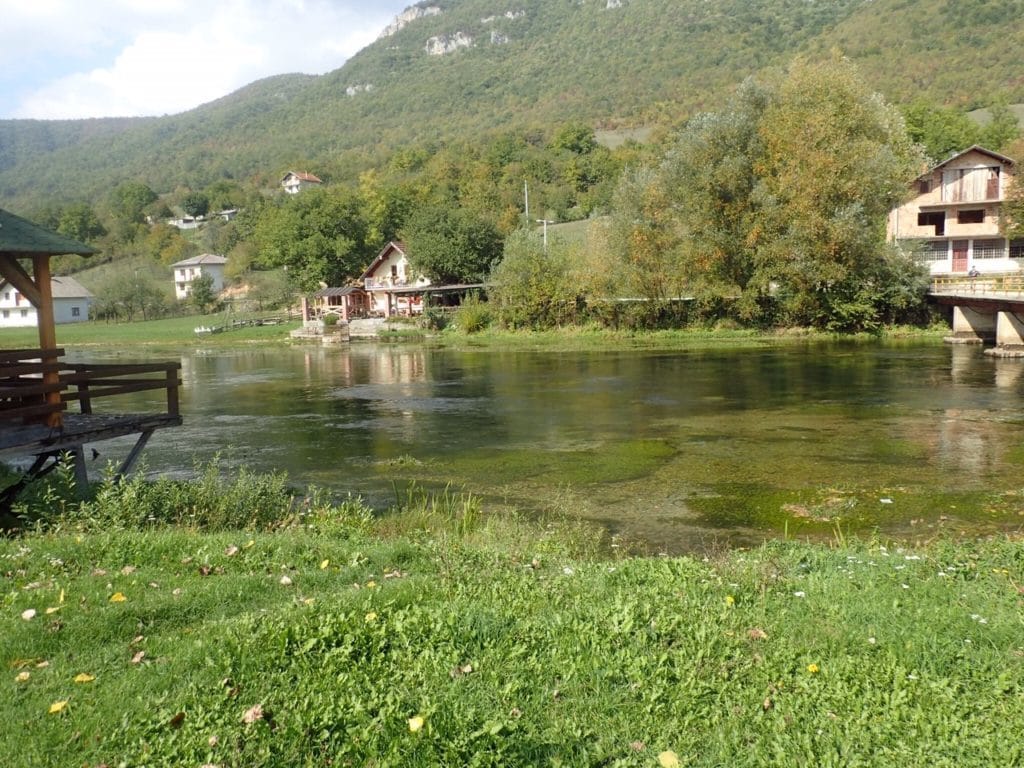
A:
{"points": [[30, 377]]}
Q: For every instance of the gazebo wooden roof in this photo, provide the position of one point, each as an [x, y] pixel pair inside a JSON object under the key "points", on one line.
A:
{"points": [[20, 239]]}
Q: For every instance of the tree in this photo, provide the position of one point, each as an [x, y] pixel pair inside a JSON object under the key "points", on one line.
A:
{"points": [[319, 235], [778, 204], [531, 286], [836, 160], [201, 294], [124, 296], [452, 245], [81, 223], [195, 204], [129, 200]]}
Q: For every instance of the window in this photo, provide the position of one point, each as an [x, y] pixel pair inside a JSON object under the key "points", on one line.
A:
{"points": [[928, 250], [971, 216], [989, 249], [24, 313], [933, 219], [1017, 249], [7, 295], [76, 311], [17, 298], [924, 186], [7, 314]]}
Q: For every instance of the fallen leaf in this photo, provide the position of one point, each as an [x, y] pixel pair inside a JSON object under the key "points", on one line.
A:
{"points": [[118, 597], [637, 746], [285, 581], [324, 564], [22, 677], [28, 614], [668, 759], [177, 720], [52, 610], [757, 634], [57, 707], [84, 677], [767, 703], [61, 598], [42, 664], [205, 570], [136, 640], [128, 570], [415, 724], [176, 592], [213, 741], [231, 551], [98, 572], [138, 657], [253, 714]]}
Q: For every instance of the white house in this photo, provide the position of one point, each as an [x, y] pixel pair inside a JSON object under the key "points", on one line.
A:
{"points": [[296, 181], [198, 266], [391, 285], [71, 301], [952, 220]]}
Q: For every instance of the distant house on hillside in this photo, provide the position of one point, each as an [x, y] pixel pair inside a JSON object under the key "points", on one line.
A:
{"points": [[296, 181], [952, 221], [71, 302], [198, 266], [390, 284]]}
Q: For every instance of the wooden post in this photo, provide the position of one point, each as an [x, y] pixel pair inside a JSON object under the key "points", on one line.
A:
{"points": [[47, 330], [172, 390]]}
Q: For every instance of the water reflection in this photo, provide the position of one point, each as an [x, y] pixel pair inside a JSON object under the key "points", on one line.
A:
{"points": [[668, 447]]}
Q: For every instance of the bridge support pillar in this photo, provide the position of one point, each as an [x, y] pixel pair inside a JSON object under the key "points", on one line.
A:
{"points": [[1009, 330], [971, 326]]}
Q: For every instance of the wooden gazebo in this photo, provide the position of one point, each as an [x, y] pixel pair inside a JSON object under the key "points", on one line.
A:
{"points": [[36, 386]]}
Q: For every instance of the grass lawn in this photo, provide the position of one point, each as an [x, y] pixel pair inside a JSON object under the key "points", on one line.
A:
{"points": [[174, 331], [412, 641]]}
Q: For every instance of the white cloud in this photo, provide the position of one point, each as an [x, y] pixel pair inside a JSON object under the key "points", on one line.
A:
{"points": [[137, 57]]}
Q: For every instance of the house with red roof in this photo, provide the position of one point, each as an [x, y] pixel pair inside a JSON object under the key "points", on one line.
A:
{"points": [[296, 181]]}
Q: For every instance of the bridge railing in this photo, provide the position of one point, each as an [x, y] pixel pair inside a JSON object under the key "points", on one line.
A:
{"points": [[960, 285]]}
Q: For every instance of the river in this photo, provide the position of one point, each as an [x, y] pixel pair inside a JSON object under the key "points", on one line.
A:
{"points": [[672, 450]]}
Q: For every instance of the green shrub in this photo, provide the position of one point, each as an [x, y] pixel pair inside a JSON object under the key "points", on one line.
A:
{"points": [[473, 316]]}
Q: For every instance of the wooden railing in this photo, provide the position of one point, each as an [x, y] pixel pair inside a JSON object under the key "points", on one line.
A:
{"points": [[96, 380], [23, 393]]}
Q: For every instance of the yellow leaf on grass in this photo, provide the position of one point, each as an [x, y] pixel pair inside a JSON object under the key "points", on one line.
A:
{"points": [[52, 609], [58, 706], [118, 597], [84, 677], [415, 724], [668, 759], [324, 564], [22, 677]]}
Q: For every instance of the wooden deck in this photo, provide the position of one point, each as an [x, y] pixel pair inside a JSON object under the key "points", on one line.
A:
{"points": [[36, 390], [78, 429]]}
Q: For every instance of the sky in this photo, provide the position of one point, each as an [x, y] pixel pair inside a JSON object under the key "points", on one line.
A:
{"points": [[117, 58]]}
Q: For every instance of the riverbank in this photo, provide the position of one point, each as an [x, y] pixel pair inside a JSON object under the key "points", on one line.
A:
{"points": [[180, 332], [434, 636]]}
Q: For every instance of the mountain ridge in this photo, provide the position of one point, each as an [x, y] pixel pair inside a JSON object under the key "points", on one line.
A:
{"points": [[526, 63]]}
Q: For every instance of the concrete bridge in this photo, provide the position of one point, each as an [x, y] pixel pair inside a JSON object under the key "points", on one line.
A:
{"points": [[986, 308]]}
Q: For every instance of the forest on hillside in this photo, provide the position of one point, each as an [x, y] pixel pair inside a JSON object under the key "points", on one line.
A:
{"points": [[531, 66]]}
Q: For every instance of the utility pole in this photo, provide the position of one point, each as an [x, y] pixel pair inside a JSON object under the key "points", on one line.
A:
{"points": [[526, 197], [545, 222]]}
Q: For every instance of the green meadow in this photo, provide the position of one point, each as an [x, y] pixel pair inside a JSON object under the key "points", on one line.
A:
{"points": [[237, 623]]}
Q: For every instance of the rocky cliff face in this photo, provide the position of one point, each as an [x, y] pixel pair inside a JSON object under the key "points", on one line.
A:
{"points": [[407, 16]]}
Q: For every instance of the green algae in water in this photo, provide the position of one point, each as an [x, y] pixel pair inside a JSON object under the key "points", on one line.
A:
{"points": [[611, 462]]}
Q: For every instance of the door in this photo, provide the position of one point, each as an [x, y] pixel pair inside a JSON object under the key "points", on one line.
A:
{"points": [[960, 255]]}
